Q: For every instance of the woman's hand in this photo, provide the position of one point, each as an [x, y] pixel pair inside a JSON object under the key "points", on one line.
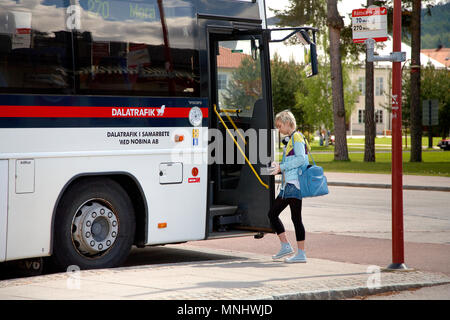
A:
{"points": [[275, 168]]}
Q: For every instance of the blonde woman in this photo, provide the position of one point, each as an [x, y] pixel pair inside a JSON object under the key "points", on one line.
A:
{"points": [[295, 158]]}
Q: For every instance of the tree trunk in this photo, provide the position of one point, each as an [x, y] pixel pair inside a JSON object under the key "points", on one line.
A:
{"points": [[369, 112], [416, 109], [335, 24]]}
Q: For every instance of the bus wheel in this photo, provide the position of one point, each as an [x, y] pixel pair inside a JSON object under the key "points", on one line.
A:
{"points": [[94, 225]]}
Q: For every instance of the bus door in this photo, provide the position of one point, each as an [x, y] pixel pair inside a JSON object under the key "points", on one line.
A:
{"points": [[240, 148]]}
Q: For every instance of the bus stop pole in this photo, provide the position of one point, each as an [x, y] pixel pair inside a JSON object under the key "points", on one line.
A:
{"points": [[397, 183]]}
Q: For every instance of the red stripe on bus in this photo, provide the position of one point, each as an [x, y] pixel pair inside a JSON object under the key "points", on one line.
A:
{"points": [[94, 112]]}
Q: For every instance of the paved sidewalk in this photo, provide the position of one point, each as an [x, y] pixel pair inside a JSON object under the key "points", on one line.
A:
{"points": [[242, 276]]}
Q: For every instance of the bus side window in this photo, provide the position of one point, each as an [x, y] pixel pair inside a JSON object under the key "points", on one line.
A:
{"points": [[154, 54], [35, 51]]}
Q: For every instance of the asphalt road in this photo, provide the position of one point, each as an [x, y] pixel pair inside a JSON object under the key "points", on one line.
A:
{"points": [[367, 212]]}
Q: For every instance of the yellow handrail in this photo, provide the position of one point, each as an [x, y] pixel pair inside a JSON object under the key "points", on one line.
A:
{"points": [[237, 145], [231, 110], [234, 125]]}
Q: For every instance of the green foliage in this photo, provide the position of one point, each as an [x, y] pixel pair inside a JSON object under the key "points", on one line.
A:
{"points": [[304, 12], [286, 80], [314, 13], [436, 40], [316, 98], [435, 22], [434, 84], [309, 99], [435, 26]]}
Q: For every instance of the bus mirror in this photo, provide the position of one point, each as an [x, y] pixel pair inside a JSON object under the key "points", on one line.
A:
{"points": [[310, 54], [303, 37], [254, 49], [311, 60]]}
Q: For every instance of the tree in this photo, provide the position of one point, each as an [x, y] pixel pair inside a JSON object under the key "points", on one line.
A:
{"points": [[314, 13], [245, 87], [415, 107], [434, 84], [315, 100], [369, 112], [303, 12], [317, 14], [435, 26], [411, 16], [335, 24], [286, 81]]}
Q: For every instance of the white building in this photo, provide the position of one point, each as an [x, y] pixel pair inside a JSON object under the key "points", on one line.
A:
{"points": [[382, 80]]}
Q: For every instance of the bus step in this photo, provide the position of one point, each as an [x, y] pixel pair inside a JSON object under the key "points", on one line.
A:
{"points": [[222, 210], [221, 215]]}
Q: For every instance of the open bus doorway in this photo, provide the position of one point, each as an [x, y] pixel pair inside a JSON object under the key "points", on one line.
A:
{"points": [[240, 195]]}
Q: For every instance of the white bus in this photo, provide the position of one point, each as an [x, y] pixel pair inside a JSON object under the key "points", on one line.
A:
{"points": [[98, 99]]}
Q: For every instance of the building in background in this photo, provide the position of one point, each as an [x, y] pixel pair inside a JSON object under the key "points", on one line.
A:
{"points": [[441, 55], [382, 88], [228, 60], [382, 82]]}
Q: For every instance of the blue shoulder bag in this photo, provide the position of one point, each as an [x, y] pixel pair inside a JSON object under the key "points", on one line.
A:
{"points": [[313, 182]]}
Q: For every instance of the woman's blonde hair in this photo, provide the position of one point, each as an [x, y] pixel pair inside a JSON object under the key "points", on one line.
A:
{"points": [[284, 117]]}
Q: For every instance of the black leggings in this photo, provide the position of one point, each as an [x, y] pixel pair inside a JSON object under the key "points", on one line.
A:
{"points": [[296, 215]]}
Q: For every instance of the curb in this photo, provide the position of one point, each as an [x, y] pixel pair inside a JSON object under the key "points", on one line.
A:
{"points": [[350, 292]]}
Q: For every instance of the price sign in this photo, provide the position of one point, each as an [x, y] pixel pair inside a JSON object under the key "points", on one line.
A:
{"points": [[370, 23]]}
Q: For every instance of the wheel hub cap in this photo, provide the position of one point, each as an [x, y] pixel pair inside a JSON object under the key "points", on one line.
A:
{"points": [[94, 228]]}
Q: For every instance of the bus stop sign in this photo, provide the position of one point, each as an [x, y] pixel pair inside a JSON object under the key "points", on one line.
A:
{"points": [[370, 23]]}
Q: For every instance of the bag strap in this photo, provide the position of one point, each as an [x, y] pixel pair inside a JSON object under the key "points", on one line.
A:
{"points": [[308, 146]]}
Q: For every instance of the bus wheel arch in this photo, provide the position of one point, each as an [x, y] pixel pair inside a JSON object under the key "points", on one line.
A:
{"points": [[118, 201]]}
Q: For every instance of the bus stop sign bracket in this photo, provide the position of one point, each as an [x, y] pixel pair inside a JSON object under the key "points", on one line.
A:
{"points": [[393, 57]]}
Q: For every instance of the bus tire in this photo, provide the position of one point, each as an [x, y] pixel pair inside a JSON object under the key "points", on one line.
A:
{"points": [[94, 226]]}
